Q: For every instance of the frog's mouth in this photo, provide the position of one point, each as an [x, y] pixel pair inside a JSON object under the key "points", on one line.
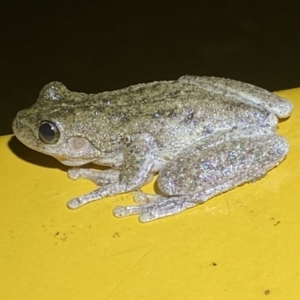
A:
{"points": [[71, 162]]}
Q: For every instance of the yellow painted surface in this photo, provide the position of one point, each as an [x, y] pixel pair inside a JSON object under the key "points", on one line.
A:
{"points": [[244, 244]]}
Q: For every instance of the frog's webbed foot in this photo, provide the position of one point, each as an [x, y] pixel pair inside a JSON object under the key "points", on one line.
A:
{"points": [[161, 207], [98, 177]]}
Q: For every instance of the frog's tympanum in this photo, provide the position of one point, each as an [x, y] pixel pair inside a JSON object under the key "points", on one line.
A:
{"points": [[202, 135]]}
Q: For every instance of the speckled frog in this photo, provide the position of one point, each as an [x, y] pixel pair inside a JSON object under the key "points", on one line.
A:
{"points": [[202, 135]]}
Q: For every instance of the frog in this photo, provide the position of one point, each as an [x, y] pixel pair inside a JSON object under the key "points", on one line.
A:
{"points": [[202, 136]]}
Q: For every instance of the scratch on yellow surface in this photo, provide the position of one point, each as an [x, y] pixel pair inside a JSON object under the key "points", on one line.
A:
{"points": [[244, 244]]}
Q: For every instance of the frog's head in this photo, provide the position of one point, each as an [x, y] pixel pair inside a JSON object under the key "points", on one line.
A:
{"points": [[55, 127]]}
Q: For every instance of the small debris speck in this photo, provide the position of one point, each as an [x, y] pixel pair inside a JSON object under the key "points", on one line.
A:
{"points": [[267, 292], [116, 235]]}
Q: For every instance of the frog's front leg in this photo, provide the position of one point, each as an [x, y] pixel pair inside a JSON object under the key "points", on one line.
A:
{"points": [[135, 172]]}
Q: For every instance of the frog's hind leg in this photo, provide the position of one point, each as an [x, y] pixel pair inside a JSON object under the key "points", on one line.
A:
{"points": [[157, 206], [208, 169], [142, 198], [152, 207]]}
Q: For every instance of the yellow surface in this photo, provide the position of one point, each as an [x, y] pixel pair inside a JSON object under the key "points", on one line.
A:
{"points": [[244, 244]]}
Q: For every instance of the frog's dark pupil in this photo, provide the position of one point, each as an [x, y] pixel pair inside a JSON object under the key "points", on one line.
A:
{"points": [[48, 132]]}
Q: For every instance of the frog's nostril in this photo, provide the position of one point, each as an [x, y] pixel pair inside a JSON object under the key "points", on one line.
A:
{"points": [[21, 115], [16, 125]]}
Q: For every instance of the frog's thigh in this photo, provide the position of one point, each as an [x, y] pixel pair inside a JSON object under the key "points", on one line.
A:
{"points": [[206, 171]]}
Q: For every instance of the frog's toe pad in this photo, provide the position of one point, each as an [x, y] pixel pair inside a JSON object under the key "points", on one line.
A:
{"points": [[74, 203], [120, 211], [146, 217], [74, 173]]}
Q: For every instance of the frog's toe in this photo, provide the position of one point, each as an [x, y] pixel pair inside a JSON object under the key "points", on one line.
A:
{"points": [[147, 217], [123, 211], [144, 216], [74, 203], [74, 173], [120, 211], [142, 198]]}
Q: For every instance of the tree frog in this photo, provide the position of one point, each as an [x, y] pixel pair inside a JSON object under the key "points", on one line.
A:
{"points": [[202, 135]]}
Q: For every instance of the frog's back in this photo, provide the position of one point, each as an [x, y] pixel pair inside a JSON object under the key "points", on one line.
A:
{"points": [[145, 95], [176, 113]]}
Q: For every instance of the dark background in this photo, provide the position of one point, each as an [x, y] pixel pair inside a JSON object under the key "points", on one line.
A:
{"points": [[93, 46]]}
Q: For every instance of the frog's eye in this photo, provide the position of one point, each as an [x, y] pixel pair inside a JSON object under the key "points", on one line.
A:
{"points": [[48, 132]]}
